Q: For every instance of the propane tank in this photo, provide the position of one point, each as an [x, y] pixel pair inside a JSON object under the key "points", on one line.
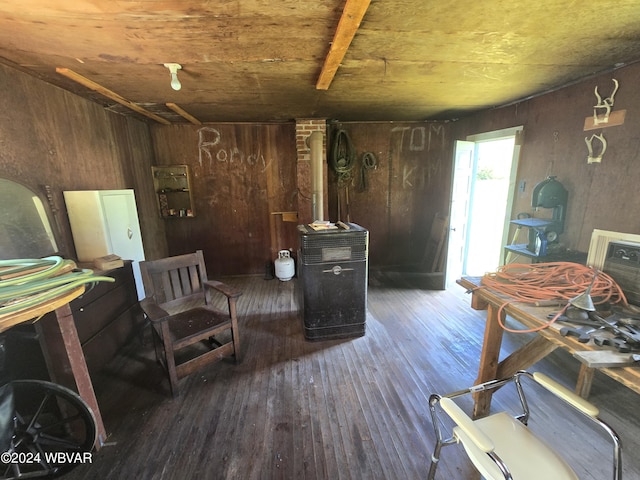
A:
{"points": [[285, 267]]}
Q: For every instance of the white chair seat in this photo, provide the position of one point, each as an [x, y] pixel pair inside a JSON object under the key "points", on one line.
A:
{"points": [[502, 440], [527, 456]]}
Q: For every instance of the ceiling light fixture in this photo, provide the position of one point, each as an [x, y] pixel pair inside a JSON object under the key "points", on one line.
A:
{"points": [[173, 69]]}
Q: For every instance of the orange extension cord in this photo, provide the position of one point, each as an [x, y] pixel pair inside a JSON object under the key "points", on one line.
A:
{"points": [[553, 281]]}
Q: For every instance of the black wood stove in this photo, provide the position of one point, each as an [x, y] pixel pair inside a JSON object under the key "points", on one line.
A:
{"points": [[332, 271]]}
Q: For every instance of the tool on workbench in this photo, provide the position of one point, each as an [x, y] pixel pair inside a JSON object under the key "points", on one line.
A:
{"points": [[584, 300], [619, 343], [632, 337], [571, 314], [574, 313], [583, 334], [628, 320], [549, 303], [625, 339], [630, 327], [576, 320]]}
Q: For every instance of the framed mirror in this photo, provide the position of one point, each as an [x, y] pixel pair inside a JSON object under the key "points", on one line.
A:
{"points": [[25, 231]]}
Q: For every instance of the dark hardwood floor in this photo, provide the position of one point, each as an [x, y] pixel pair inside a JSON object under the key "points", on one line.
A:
{"points": [[338, 409]]}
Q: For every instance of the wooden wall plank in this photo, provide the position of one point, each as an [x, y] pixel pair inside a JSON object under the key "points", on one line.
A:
{"points": [[241, 172], [403, 193], [50, 137], [601, 195]]}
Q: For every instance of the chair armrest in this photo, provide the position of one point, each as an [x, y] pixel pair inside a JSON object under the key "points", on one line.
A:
{"points": [[466, 425], [230, 292], [567, 395], [152, 310]]}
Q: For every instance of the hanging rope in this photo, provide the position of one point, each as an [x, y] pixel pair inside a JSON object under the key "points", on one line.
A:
{"points": [[553, 281], [343, 156], [369, 162]]}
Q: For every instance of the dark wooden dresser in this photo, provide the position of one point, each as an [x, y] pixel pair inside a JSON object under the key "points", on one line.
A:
{"points": [[106, 316]]}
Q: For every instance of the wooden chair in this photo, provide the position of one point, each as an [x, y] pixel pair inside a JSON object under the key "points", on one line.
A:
{"points": [[189, 329]]}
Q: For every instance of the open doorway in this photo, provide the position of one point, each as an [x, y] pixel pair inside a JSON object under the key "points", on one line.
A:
{"points": [[484, 178]]}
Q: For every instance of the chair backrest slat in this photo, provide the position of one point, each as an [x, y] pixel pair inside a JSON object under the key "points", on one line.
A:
{"points": [[195, 278], [172, 278], [176, 287], [162, 282], [185, 281]]}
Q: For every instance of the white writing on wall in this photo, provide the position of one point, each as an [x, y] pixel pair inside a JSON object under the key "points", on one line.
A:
{"points": [[417, 140], [210, 151], [415, 172]]}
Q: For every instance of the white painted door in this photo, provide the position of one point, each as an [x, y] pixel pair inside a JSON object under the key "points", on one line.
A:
{"points": [[460, 198], [493, 189]]}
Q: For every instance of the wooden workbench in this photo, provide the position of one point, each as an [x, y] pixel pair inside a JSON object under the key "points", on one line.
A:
{"points": [[546, 341], [70, 362], [71, 358]]}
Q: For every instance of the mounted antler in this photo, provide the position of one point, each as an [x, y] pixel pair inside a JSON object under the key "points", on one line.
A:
{"points": [[589, 142], [605, 104]]}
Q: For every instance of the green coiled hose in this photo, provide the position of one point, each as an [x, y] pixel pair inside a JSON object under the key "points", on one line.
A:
{"points": [[48, 266], [41, 282]]}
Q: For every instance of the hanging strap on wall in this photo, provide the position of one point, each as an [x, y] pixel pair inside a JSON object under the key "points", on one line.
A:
{"points": [[343, 156], [369, 162]]}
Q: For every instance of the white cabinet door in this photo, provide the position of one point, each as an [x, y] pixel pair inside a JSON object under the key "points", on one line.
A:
{"points": [[105, 222], [123, 229]]}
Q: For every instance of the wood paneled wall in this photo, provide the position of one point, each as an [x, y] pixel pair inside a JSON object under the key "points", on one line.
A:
{"points": [[601, 195], [49, 137], [244, 172], [396, 201], [241, 173]]}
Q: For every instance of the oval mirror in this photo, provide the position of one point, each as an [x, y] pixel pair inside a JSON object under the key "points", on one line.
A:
{"points": [[25, 231]]}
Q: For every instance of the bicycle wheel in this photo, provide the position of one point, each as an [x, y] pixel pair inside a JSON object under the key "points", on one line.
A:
{"points": [[52, 426]]}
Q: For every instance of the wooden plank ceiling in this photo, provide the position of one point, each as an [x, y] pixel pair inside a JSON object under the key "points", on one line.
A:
{"points": [[351, 60]]}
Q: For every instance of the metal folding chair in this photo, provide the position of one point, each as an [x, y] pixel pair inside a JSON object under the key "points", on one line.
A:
{"points": [[501, 446]]}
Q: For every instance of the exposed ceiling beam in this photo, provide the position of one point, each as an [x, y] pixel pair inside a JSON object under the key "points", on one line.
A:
{"points": [[76, 77], [183, 114], [352, 15]]}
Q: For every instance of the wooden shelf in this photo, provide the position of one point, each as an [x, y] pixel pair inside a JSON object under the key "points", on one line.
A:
{"points": [[172, 184]]}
